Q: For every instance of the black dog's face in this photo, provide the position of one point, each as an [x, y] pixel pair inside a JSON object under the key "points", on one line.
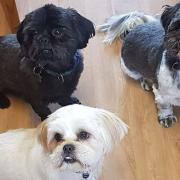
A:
{"points": [[52, 35], [171, 22]]}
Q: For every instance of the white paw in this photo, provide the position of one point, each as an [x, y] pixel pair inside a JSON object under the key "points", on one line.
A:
{"points": [[145, 85], [167, 121]]}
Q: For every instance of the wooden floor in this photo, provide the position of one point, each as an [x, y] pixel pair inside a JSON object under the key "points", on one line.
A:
{"points": [[149, 152]]}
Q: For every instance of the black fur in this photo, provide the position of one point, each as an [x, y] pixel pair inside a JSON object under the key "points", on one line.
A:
{"points": [[170, 17], [171, 22], [48, 38]]}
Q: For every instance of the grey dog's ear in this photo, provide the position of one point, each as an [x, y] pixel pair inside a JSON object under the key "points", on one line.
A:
{"points": [[168, 15], [84, 27], [19, 34]]}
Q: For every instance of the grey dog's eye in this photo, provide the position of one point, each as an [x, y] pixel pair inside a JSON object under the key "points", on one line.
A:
{"points": [[58, 137], [83, 135]]}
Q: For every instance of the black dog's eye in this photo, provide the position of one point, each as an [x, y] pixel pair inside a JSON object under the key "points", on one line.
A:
{"points": [[174, 26], [56, 32], [176, 66], [58, 137], [32, 32], [83, 135], [35, 32]]}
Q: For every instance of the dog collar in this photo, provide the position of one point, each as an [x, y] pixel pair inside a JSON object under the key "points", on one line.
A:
{"points": [[37, 70]]}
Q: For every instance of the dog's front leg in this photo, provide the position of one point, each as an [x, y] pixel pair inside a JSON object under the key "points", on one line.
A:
{"points": [[166, 116], [41, 109], [146, 84], [64, 101]]}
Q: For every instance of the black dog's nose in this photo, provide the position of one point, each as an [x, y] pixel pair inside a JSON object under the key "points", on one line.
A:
{"points": [[44, 40], [68, 148]]}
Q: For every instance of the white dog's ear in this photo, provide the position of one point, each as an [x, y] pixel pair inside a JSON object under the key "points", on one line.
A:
{"points": [[42, 134], [113, 129]]}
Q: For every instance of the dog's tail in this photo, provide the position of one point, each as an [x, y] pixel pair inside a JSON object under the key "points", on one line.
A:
{"points": [[119, 26]]}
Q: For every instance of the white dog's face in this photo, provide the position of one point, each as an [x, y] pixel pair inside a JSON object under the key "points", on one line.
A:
{"points": [[77, 137]]}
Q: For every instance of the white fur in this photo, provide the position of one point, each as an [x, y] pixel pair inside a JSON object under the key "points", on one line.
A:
{"points": [[23, 157], [132, 74], [164, 110], [115, 28], [167, 92]]}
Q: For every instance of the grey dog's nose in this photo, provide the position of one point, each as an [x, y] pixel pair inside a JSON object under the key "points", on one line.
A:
{"points": [[68, 148]]}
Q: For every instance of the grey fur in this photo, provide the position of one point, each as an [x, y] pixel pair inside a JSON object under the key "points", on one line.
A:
{"points": [[151, 53]]}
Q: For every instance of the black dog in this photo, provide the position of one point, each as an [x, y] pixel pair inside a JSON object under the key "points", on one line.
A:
{"points": [[151, 54], [42, 63]]}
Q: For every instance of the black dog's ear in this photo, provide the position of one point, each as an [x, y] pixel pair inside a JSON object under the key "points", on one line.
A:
{"points": [[19, 33], [168, 15], [84, 27]]}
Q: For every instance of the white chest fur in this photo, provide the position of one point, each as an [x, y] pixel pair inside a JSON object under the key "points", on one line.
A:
{"points": [[168, 91]]}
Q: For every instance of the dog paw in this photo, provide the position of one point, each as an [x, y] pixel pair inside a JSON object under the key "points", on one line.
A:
{"points": [[69, 101], [74, 100], [145, 84], [4, 103], [167, 121], [45, 114], [43, 117]]}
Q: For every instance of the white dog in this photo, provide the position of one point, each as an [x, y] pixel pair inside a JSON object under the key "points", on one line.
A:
{"points": [[70, 145]]}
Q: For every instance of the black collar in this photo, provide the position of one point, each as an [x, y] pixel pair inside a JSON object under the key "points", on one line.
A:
{"points": [[40, 68]]}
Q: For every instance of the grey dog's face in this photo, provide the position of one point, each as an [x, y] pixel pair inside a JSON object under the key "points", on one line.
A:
{"points": [[54, 34], [171, 22]]}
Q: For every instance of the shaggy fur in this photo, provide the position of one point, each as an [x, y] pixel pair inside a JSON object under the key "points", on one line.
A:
{"points": [[42, 63], [70, 145], [151, 54]]}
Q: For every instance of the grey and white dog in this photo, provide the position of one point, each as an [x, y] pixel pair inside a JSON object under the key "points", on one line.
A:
{"points": [[151, 54]]}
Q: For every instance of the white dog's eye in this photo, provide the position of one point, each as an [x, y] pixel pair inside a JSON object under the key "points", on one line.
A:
{"points": [[83, 135], [58, 137]]}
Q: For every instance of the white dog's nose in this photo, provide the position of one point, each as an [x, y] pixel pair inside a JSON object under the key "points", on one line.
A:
{"points": [[68, 148]]}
